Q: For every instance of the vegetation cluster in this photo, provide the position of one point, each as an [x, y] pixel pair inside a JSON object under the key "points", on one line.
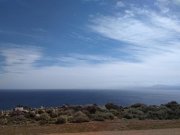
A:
{"points": [[78, 114]]}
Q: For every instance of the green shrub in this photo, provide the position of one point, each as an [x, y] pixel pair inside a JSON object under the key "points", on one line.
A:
{"points": [[3, 121], [91, 109], [161, 113], [30, 115], [172, 105], [108, 116], [96, 117], [141, 107], [44, 117], [19, 119], [138, 105], [68, 112], [152, 108], [128, 116], [153, 115], [43, 122], [105, 115], [53, 113], [61, 120], [76, 108], [131, 113], [41, 111], [79, 117], [115, 112], [16, 113], [110, 106]]}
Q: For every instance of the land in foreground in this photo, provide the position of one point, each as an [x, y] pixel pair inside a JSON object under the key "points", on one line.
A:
{"points": [[129, 127], [132, 132], [23, 115], [108, 119]]}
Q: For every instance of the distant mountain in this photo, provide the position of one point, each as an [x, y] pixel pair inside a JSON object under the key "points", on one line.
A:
{"points": [[166, 87], [154, 87]]}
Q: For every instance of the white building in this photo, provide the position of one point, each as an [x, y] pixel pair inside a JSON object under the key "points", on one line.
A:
{"points": [[19, 109]]}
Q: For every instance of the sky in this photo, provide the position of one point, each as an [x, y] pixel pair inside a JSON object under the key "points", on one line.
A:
{"points": [[89, 44]]}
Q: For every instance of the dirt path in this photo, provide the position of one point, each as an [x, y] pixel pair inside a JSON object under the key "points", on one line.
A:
{"points": [[121, 127], [133, 132]]}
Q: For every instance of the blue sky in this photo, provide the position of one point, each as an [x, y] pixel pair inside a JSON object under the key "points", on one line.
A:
{"points": [[89, 43]]}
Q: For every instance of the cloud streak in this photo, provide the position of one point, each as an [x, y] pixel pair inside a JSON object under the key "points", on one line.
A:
{"points": [[160, 69], [150, 37], [19, 59], [164, 5], [143, 29]]}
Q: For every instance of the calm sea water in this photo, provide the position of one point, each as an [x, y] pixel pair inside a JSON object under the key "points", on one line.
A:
{"points": [[36, 98]]}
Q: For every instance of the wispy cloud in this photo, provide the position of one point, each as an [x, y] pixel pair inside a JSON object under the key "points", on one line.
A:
{"points": [[143, 29], [120, 4], [164, 5], [34, 33], [19, 59], [40, 30], [21, 34], [99, 2], [85, 59], [150, 37], [157, 69]]}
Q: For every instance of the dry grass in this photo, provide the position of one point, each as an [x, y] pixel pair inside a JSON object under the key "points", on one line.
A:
{"points": [[116, 125]]}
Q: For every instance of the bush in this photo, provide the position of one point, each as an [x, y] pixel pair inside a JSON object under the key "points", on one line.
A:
{"points": [[79, 117], [172, 105], [131, 113], [3, 121], [43, 122], [53, 113], [152, 108], [153, 115], [104, 115], [108, 116], [30, 115], [44, 117], [96, 117], [68, 112], [161, 113], [115, 112], [16, 113], [138, 105], [17, 119], [61, 120], [76, 108], [110, 106], [91, 109], [128, 116], [41, 111]]}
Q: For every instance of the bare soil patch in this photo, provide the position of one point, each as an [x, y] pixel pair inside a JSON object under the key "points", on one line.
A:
{"points": [[133, 132], [115, 125]]}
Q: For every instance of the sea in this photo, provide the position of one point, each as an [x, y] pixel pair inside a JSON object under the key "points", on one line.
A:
{"points": [[55, 98]]}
